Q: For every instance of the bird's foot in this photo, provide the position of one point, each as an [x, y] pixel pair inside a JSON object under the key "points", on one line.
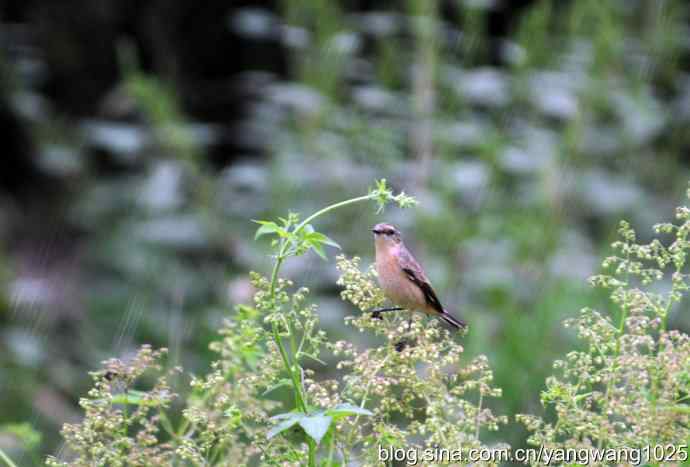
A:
{"points": [[403, 343], [376, 314]]}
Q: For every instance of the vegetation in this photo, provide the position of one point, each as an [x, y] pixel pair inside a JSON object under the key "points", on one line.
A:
{"points": [[629, 387], [228, 420], [525, 134]]}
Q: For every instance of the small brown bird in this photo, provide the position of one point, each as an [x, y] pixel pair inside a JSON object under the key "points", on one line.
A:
{"points": [[402, 278]]}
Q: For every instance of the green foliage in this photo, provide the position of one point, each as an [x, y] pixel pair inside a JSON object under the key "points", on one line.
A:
{"points": [[423, 395], [384, 195], [300, 240], [24, 432], [263, 351], [23, 438], [524, 148], [315, 424], [110, 433], [227, 412], [295, 238], [158, 103], [629, 387]]}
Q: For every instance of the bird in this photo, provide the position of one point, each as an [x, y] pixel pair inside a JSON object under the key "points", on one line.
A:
{"points": [[403, 280]]}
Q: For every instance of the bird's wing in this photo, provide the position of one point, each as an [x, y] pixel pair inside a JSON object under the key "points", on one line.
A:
{"points": [[415, 274]]}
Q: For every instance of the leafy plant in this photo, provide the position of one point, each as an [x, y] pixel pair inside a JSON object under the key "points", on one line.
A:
{"points": [[121, 425], [27, 437], [629, 387], [227, 418], [422, 395], [296, 238]]}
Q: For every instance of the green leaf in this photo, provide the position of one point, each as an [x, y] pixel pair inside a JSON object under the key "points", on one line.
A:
{"points": [[245, 313], [330, 242], [234, 415], [681, 409], [286, 415], [318, 249], [284, 425], [312, 357], [279, 384], [268, 227], [315, 240], [233, 411], [130, 397], [316, 425], [262, 222], [346, 409], [24, 432], [321, 238]]}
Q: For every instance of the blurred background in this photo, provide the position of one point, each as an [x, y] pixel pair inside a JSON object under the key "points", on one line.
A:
{"points": [[141, 137]]}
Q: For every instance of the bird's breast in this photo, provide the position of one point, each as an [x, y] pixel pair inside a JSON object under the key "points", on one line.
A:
{"points": [[395, 284]]}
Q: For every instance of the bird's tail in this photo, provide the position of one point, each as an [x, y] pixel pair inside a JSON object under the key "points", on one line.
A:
{"points": [[454, 322]]}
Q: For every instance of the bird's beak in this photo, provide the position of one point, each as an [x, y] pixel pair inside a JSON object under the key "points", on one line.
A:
{"points": [[375, 231]]}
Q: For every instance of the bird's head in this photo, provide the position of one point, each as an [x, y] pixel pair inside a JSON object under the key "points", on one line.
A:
{"points": [[386, 235]]}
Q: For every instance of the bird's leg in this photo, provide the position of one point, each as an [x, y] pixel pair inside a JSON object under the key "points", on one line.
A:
{"points": [[377, 313], [403, 343]]}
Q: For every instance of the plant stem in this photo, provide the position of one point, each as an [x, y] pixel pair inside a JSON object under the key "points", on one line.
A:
{"points": [[283, 245], [332, 207], [7, 459], [364, 399], [276, 268], [280, 258], [617, 350], [296, 383], [331, 451], [312, 452], [479, 411], [291, 367]]}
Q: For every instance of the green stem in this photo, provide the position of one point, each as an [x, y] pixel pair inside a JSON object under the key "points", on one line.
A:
{"points": [[296, 380], [662, 329], [331, 451], [276, 268], [282, 255], [312, 452], [7, 459], [283, 245], [364, 400], [617, 351], [332, 207], [293, 367], [479, 411], [669, 304], [166, 424]]}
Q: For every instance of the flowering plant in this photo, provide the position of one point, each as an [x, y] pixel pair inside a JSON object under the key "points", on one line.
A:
{"points": [[630, 384]]}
